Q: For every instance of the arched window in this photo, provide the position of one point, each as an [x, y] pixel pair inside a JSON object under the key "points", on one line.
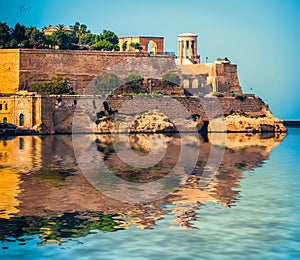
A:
{"points": [[5, 120], [21, 120], [186, 83], [195, 83]]}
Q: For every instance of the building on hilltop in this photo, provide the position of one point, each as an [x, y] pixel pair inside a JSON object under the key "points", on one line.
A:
{"points": [[187, 49], [204, 78], [151, 45], [52, 29]]}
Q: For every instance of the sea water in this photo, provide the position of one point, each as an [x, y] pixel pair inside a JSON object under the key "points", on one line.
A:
{"points": [[249, 209]]}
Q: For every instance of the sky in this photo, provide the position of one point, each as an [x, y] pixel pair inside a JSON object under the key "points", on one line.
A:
{"points": [[261, 36]]}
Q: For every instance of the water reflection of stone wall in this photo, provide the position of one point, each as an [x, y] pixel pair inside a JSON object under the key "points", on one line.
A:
{"points": [[53, 184]]}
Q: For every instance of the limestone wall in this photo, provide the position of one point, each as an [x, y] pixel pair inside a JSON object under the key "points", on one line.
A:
{"points": [[55, 113], [81, 67], [9, 70], [221, 77], [58, 117], [27, 106]]}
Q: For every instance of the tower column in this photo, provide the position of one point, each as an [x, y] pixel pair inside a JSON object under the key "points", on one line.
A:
{"points": [[184, 49], [195, 49], [187, 47], [190, 52]]}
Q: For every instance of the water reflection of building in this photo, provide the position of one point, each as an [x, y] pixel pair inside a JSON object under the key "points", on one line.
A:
{"points": [[21, 153], [17, 156], [59, 186], [9, 191]]}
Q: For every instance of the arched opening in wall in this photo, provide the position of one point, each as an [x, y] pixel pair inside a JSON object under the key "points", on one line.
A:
{"points": [[152, 47], [186, 83], [195, 83], [4, 120], [21, 120]]}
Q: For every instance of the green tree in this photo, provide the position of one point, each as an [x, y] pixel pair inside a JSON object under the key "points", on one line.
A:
{"points": [[109, 36], [133, 80], [86, 39], [19, 35], [79, 30], [57, 85], [49, 41], [5, 35], [106, 83], [64, 40], [124, 46], [136, 46], [103, 45], [35, 37], [171, 79]]}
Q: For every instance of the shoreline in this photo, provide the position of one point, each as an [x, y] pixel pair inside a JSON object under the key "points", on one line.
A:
{"points": [[291, 123], [31, 133]]}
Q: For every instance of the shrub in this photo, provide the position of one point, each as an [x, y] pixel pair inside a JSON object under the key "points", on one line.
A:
{"points": [[133, 80], [240, 96], [57, 85], [106, 83], [217, 94], [171, 79]]}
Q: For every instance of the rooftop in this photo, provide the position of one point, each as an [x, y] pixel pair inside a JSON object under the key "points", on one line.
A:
{"points": [[187, 34]]}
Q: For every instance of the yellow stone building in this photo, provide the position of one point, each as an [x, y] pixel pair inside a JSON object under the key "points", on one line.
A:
{"points": [[23, 110], [151, 45]]}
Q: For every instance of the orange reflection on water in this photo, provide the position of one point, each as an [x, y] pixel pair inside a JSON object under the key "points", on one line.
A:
{"points": [[9, 191]]}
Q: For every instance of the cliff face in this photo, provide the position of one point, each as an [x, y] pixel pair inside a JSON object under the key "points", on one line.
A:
{"points": [[156, 113]]}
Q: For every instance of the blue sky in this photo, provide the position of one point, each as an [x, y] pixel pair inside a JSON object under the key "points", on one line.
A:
{"points": [[261, 36]]}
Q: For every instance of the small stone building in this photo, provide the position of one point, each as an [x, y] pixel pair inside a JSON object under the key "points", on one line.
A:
{"points": [[151, 45]]}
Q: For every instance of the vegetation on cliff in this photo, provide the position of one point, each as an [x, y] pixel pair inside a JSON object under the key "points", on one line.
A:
{"points": [[76, 37], [106, 83], [171, 79], [57, 85]]}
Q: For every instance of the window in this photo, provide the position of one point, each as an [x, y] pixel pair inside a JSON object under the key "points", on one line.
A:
{"points": [[195, 83], [5, 120], [6, 107], [186, 83], [0, 106]]}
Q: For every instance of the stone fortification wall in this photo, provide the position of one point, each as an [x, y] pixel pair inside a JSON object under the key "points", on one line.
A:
{"points": [[220, 77], [81, 67], [58, 116], [9, 70], [20, 69]]}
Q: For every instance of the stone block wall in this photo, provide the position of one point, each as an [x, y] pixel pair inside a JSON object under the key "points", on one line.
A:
{"points": [[81, 67], [30, 106], [9, 70], [221, 77], [56, 112]]}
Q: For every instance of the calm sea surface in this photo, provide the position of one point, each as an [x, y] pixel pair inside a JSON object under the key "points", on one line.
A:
{"points": [[238, 200]]}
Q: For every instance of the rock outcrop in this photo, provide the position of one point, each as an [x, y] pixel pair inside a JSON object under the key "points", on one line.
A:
{"points": [[247, 124], [151, 122]]}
